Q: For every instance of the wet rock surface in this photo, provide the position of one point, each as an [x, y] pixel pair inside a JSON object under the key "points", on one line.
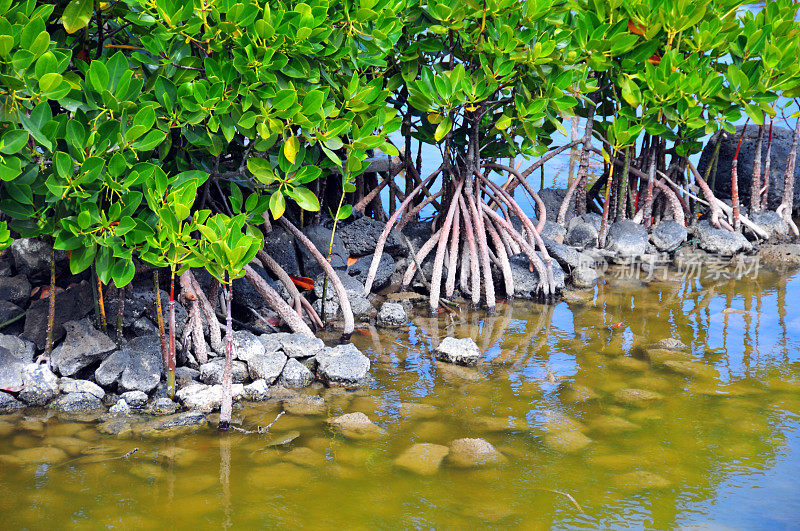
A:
{"points": [[296, 375], [391, 315], [471, 452], [356, 426], [423, 458], [458, 351], [627, 239]]}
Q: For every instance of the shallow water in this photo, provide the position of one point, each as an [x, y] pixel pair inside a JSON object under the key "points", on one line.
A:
{"points": [[718, 444]]}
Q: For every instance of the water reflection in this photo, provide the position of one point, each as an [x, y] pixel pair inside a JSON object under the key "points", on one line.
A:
{"points": [[574, 396]]}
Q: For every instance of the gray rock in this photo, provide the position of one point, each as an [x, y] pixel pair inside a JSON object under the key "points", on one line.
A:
{"points": [[280, 245], [9, 310], [459, 351], [9, 404], [321, 238], [781, 145], [39, 385], [137, 366], [143, 326], [392, 315], [668, 236], [356, 426], [295, 375], [145, 298], [772, 223], [211, 373], [721, 241], [15, 289], [32, 257], [82, 347], [584, 277], [257, 391], [383, 275], [268, 366], [163, 406], [567, 257], [173, 424], [68, 385], [120, 408], [780, 256], [552, 230], [300, 346], [77, 403], [581, 235], [135, 399], [245, 295], [355, 293], [246, 346], [526, 283], [206, 398], [552, 199], [627, 239], [185, 376], [417, 233], [20, 348], [73, 304], [11, 369], [360, 238], [343, 366], [468, 453], [670, 343]]}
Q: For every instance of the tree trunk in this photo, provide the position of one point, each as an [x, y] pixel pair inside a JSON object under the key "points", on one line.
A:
{"points": [[226, 408]]}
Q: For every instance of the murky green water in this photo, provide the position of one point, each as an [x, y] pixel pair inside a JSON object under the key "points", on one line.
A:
{"points": [[718, 443]]}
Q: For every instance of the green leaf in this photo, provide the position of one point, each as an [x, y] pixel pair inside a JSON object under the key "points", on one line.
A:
{"points": [[82, 257], [284, 99], [77, 15], [13, 141], [98, 75], [443, 128], [344, 212], [312, 102], [306, 199], [277, 204], [122, 272], [631, 92], [290, 149]]}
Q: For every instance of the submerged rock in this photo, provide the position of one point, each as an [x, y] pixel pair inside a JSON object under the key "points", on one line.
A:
{"points": [[305, 405], [163, 406], [306, 457], [83, 346], [567, 442], [282, 439], [423, 459], [640, 480], [172, 424], [693, 369], [459, 351], [637, 397], [468, 453], [584, 277], [670, 343], [612, 424], [343, 365], [356, 426]]}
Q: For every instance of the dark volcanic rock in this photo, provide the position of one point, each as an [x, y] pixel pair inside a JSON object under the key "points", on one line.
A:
{"points": [[386, 268], [39, 385], [781, 144], [77, 403], [627, 239], [552, 199], [10, 369], [71, 305], [361, 237], [771, 222], [721, 241], [280, 245], [320, 236], [9, 310], [137, 366], [15, 289], [668, 236], [82, 347], [581, 234], [526, 283], [9, 404]]}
